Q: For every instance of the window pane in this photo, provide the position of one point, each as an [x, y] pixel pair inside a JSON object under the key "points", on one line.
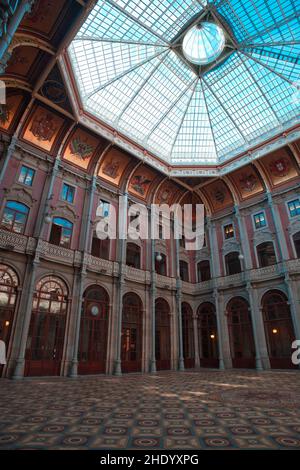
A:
{"points": [[17, 206]]}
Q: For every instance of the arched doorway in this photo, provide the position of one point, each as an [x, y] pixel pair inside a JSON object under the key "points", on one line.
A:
{"points": [[279, 329], [132, 333], [188, 336], [93, 331], [207, 335], [8, 295], [45, 340], [162, 335], [240, 333]]}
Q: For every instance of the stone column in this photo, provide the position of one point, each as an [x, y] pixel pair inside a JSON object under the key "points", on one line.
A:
{"points": [[214, 249], [121, 281], [196, 341], [222, 348], [153, 298], [247, 264], [25, 315], [42, 221], [80, 277], [259, 341], [9, 152], [178, 303], [244, 240]]}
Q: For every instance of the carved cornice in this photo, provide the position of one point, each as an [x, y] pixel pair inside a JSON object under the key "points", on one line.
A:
{"points": [[20, 194]]}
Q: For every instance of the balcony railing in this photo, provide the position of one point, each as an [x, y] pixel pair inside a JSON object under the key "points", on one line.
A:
{"points": [[14, 242]]}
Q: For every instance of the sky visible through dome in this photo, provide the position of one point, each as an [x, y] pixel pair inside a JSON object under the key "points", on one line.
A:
{"points": [[131, 75]]}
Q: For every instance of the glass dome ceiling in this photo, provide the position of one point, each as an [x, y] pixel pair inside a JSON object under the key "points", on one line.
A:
{"points": [[203, 43], [132, 74]]}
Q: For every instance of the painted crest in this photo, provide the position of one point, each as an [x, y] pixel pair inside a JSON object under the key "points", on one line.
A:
{"points": [[248, 182], [81, 148], [43, 127], [111, 169], [139, 184], [280, 167]]}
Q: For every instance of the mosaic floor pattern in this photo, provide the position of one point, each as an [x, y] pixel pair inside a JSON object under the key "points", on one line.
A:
{"points": [[170, 410]]}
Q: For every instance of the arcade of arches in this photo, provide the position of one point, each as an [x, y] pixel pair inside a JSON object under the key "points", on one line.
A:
{"points": [[45, 352]]}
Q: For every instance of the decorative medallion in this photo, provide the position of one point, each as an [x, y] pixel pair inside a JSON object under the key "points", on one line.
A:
{"points": [[280, 167], [54, 91], [248, 182], [140, 183], [111, 168], [43, 127], [81, 148]]}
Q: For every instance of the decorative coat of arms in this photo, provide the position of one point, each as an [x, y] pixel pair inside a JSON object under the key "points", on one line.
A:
{"points": [[111, 169], [139, 184], [280, 167], [81, 148], [248, 182], [43, 127]]}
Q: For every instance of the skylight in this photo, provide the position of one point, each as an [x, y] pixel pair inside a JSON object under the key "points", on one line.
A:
{"points": [[203, 43], [133, 61]]}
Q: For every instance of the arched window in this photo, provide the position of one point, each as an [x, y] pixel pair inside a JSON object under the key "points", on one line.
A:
{"points": [[184, 271], [240, 333], [8, 294], [207, 335], [14, 217], [100, 248], [61, 232], [93, 331], [188, 335], [133, 255], [279, 329], [296, 240], [233, 264], [161, 265], [162, 335], [266, 254], [47, 327], [132, 333], [203, 271]]}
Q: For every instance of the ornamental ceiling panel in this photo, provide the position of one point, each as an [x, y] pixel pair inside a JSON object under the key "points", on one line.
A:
{"points": [[80, 148], [43, 128], [113, 166], [187, 79], [247, 182], [280, 167]]}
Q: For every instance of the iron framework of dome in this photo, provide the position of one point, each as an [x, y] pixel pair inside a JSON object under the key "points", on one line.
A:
{"points": [[132, 74]]}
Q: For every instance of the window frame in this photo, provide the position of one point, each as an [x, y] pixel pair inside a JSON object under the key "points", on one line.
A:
{"points": [[223, 231], [66, 183], [62, 227], [292, 217], [253, 220], [28, 169], [3, 227]]}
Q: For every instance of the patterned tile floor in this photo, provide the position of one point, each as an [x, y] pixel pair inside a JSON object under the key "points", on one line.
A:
{"points": [[171, 410]]}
